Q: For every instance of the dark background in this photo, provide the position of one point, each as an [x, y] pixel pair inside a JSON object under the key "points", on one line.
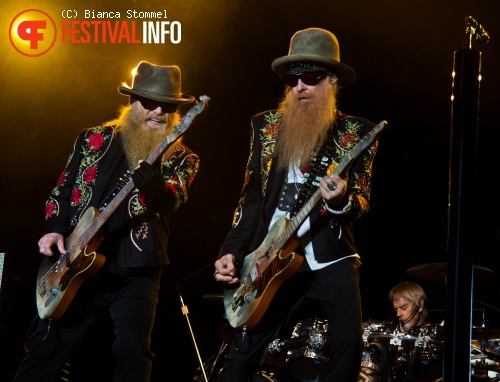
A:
{"points": [[402, 53]]}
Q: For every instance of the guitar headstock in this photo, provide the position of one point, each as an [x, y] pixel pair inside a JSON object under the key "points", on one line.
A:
{"points": [[368, 139], [187, 118]]}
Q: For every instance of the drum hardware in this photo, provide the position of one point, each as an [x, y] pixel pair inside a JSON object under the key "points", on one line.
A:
{"points": [[402, 356], [267, 376], [305, 347], [177, 285], [483, 363]]}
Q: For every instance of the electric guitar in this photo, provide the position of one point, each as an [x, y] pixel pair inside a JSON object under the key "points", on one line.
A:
{"points": [[273, 262], [58, 279]]}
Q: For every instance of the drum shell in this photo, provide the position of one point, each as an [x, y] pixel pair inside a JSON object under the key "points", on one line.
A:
{"points": [[426, 363], [307, 354]]}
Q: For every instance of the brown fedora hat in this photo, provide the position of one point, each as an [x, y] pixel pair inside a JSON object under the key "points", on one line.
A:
{"points": [[315, 45], [156, 82]]}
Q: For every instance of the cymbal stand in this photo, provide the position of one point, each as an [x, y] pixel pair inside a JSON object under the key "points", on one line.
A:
{"points": [[185, 312]]}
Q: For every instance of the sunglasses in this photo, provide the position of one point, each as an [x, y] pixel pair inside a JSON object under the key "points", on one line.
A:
{"points": [[308, 78], [150, 104]]}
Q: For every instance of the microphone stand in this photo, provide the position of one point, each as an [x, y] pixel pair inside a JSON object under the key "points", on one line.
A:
{"points": [[185, 312]]}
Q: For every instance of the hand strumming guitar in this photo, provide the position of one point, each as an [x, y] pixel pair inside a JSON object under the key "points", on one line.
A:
{"points": [[49, 242], [225, 269]]}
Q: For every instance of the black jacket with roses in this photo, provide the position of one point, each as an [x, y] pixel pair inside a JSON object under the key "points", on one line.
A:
{"points": [[136, 234], [332, 234]]}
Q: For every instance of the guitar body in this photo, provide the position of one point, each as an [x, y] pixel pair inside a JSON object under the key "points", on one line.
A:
{"points": [[263, 272], [59, 279]]}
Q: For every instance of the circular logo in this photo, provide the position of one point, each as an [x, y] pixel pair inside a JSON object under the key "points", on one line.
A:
{"points": [[32, 32]]}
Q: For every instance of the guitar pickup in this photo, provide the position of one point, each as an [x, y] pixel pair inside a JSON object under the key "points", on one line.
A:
{"points": [[255, 274]]}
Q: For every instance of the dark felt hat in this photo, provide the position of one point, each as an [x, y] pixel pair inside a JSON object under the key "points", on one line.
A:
{"points": [[315, 46], [156, 82]]}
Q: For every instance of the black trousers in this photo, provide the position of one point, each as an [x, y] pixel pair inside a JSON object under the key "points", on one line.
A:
{"points": [[131, 299], [335, 288]]}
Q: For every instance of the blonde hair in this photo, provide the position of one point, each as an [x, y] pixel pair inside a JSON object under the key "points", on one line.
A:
{"points": [[412, 292]]}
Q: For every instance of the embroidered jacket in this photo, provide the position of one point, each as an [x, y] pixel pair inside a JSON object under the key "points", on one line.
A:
{"points": [[332, 234], [136, 234]]}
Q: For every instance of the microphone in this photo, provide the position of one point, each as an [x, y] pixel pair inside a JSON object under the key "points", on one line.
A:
{"points": [[410, 316], [478, 31]]}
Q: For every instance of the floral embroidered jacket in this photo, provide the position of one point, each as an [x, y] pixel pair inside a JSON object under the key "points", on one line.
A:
{"points": [[136, 234], [332, 234]]}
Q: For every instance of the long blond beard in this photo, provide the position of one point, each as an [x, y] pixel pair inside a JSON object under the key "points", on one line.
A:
{"points": [[138, 139], [304, 126]]}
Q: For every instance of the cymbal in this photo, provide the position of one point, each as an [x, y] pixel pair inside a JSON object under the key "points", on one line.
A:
{"points": [[485, 333], [436, 272]]}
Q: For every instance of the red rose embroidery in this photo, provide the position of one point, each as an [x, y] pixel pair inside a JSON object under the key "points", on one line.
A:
{"points": [[89, 175], [172, 187], [362, 183], [76, 194], [49, 208], [272, 130], [347, 140], [61, 179], [95, 141]]}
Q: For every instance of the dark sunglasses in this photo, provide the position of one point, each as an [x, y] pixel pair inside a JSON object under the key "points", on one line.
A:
{"points": [[308, 78], [150, 104]]}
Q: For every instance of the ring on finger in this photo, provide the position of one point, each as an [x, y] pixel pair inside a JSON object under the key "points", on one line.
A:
{"points": [[215, 275], [331, 186]]}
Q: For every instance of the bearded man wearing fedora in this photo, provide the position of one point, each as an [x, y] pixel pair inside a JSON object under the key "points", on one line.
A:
{"points": [[135, 235], [288, 146]]}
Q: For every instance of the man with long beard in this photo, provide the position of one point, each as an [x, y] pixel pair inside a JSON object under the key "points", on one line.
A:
{"points": [[292, 152], [134, 232]]}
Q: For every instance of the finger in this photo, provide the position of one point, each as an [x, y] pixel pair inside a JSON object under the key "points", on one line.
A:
{"points": [[62, 249]]}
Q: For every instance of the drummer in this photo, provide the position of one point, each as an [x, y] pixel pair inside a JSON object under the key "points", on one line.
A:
{"points": [[409, 302], [381, 361]]}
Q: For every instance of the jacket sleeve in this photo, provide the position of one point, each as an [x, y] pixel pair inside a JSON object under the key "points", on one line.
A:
{"points": [[178, 169], [58, 205]]}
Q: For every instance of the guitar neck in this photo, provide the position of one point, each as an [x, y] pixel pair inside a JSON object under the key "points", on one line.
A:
{"points": [[179, 129], [172, 137]]}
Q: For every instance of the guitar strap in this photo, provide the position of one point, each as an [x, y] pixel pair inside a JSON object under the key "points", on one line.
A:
{"points": [[316, 171]]}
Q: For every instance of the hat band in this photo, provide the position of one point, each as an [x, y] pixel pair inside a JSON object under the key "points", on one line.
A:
{"points": [[158, 94], [302, 67]]}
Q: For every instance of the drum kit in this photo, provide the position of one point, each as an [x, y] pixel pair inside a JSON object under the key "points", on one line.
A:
{"points": [[417, 355], [389, 355], [392, 355], [302, 357]]}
